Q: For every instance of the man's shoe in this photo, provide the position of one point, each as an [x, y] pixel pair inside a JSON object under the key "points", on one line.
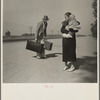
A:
{"points": [[38, 57]]}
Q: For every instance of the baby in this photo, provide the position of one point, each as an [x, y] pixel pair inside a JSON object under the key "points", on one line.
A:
{"points": [[72, 26]]}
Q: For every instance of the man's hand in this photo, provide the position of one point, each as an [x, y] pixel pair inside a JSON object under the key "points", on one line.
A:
{"points": [[35, 39], [45, 38]]}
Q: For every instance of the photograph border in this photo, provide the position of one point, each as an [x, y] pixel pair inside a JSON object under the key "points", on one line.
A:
{"points": [[9, 88]]}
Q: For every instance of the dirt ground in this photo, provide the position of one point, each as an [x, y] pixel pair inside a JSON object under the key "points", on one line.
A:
{"points": [[21, 65]]}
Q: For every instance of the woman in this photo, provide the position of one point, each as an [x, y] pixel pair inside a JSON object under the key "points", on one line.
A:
{"points": [[41, 34], [69, 44]]}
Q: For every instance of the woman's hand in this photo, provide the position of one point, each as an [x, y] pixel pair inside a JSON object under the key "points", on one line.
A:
{"points": [[68, 27], [35, 39], [77, 28], [64, 35]]}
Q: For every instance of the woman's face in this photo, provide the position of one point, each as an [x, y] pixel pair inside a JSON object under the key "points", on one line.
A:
{"points": [[45, 20], [66, 17]]}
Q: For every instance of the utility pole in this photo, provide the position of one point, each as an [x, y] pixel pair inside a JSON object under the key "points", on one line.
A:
{"points": [[58, 33], [30, 29], [52, 32]]}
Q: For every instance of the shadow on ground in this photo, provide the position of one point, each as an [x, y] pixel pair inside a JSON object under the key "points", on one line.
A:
{"points": [[53, 55], [88, 64]]}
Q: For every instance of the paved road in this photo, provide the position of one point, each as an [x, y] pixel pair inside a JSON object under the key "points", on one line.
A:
{"points": [[20, 65]]}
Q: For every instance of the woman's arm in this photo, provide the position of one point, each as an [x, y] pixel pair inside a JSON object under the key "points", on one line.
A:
{"points": [[72, 30], [63, 30]]}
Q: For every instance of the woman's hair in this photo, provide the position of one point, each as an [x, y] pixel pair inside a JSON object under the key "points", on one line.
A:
{"points": [[68, 14]]}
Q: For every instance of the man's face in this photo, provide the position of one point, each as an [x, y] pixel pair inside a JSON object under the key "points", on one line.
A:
{"points": [[45, 20]]}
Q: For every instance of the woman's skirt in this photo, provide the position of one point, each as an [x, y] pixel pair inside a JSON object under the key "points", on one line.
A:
{"points": [[69, 49]]}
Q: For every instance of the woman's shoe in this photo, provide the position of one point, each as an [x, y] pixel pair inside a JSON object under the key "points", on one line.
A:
{"points": [[72, 68], [65, 68]]}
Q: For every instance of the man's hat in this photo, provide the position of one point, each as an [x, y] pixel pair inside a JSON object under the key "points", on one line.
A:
{"points": [[45, 17]]}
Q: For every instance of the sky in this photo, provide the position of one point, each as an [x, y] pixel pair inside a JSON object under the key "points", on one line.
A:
{"points": [[20, 15]]}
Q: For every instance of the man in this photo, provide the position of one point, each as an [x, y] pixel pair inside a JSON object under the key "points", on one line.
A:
{"points": [[41, 35]]}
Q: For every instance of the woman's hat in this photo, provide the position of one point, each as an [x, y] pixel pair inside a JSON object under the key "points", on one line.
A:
{"points": [[45, 17], [68, 14]]}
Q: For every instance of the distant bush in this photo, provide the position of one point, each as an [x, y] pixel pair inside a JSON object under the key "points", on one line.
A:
{"points": [[7, 33], [94, 25]]}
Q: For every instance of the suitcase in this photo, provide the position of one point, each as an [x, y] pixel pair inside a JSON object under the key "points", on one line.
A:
{"points": [[48, 45], [34, 46]]}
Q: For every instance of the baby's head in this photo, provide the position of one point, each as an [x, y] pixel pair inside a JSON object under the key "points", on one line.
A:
{"points": [[72, 17]]}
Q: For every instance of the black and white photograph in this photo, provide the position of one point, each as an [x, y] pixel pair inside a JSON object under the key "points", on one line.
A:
{"points": [[50, 41], [49, 49]]}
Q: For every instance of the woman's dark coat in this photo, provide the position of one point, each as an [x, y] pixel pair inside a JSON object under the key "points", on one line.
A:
{"points": [[68, 44]]}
